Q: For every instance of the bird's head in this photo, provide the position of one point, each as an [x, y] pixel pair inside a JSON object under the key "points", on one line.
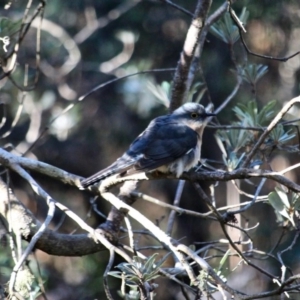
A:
{"points": [[193, 115]]}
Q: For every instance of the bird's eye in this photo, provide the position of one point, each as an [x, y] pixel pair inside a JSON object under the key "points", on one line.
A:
{"points": [[194, 115]]}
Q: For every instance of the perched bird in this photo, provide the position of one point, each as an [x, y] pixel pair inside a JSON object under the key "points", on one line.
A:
{"points": [[170, 144]]}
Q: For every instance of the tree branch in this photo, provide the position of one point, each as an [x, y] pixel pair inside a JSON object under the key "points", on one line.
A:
{"points": [[181, 76], [24, 223]]}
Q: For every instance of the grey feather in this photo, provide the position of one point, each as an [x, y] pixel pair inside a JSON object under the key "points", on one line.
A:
{"points": [[170, 143]]}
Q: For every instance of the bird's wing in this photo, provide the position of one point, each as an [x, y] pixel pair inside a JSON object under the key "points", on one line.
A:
{"points": [[161, 144]]}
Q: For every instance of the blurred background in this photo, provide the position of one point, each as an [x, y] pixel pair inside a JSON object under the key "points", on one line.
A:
{"points": [[88, 43]]}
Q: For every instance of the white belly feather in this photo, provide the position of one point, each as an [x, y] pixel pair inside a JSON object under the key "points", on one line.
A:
{"points": [[184, 163]]}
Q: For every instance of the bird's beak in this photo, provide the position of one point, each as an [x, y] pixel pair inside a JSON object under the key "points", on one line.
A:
{"points": [[209, 114]]}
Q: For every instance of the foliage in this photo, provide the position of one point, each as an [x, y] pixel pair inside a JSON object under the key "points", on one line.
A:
{"points": [[138, 272], [226, 30], [286, 206], [253, 72], [235, 143]]}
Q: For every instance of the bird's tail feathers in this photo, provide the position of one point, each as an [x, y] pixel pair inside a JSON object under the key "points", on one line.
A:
{"points": [[116, 168]]}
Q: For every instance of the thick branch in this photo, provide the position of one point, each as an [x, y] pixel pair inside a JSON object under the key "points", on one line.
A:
{"points": [[241, 174], [8, 160], [24, 223], [221, 175], [181, 77]]}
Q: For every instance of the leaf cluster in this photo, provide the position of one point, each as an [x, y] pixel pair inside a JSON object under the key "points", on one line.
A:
{"points": [[139, 271], [234, 144], [226, 30], [286, 206]]}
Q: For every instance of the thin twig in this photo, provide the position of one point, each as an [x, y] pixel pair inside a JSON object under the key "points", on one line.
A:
{"points": [[105, 275], [179, 210], [22, 33], [244, 208], [81, 98], [242, 29], [178, 7], [176, 202], [130, 234], [17, 116], [205, 266], [231, 96], [282, 59], [289, 248], [104, 21], [40, 231], [222, 224]]}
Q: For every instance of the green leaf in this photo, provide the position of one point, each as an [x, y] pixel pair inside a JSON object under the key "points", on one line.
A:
{"points": [[125, 268], [279, 200], [140, 270], [226, 30], [150, 264], [116, 274], [279, 137], [223, 260], [249, 114], [253, 72], [161, 261], [296, 201], [283, 196]]}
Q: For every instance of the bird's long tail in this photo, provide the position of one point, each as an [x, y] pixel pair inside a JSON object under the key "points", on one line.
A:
{"points": [[117, 167]]}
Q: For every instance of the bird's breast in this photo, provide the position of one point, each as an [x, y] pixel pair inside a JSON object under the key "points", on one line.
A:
{"points": [[189, 160]]}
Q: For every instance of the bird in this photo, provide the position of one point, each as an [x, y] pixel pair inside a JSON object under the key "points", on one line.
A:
{"points": [[170, 144]]}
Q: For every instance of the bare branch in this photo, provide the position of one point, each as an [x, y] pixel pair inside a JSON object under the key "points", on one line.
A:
{"points": [[8, 159], [105, 275], [181, 76], [176, 6], [176, 202], [24, 223]]}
